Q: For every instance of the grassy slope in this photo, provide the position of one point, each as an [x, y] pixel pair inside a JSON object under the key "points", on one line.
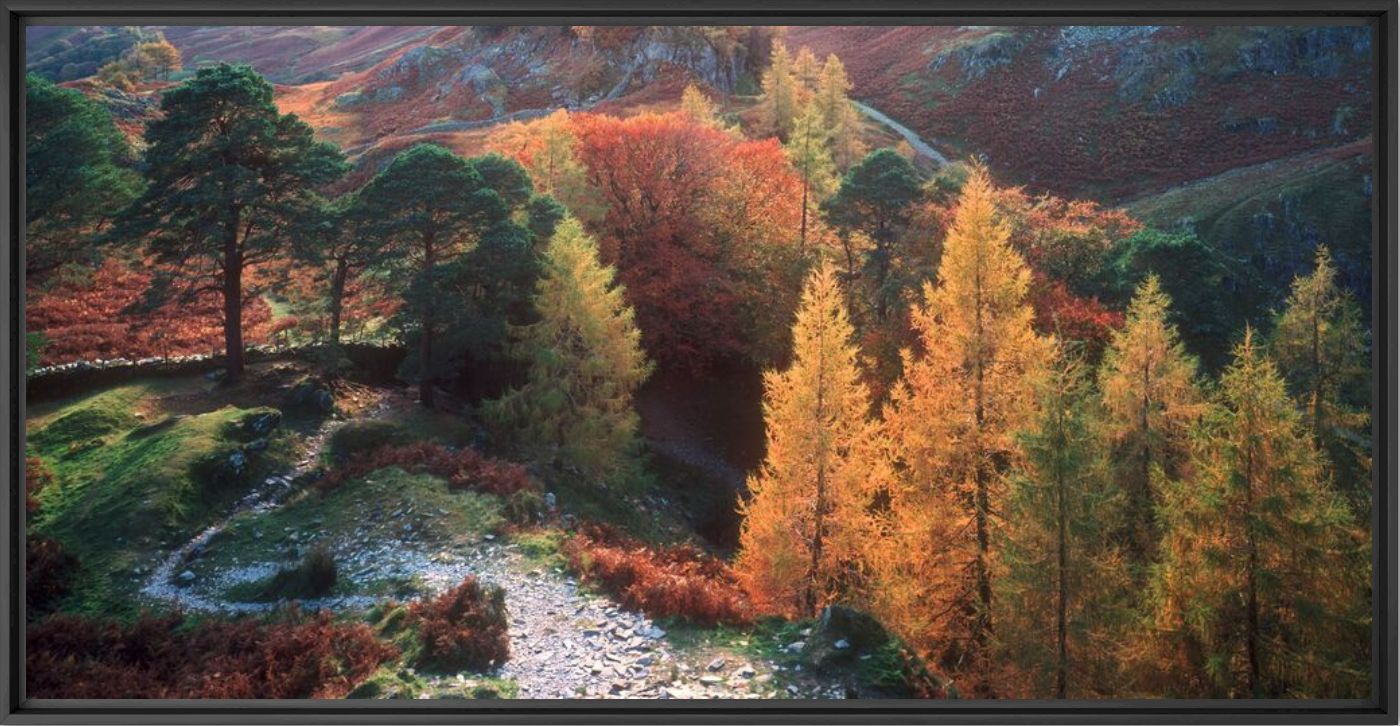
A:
{"points": [[130, 480], [1270, 217]]}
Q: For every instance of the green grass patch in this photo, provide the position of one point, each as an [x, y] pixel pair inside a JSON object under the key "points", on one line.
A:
{"points": [[542, 547], [125, 488], [400, 682]]}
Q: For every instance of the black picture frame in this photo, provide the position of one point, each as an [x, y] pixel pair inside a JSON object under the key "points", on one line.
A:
{"points": [[1379, 14]]}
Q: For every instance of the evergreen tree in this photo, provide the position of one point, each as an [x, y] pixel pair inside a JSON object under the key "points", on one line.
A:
{"points": [[1062, 597], [1148, 387], [1321, 346], [803, 531], [876, 198], [953, 419], [586, 363], [780, 93], [77, 175], [1263, 589], [429, 207], [228, 177], [808, 152]]}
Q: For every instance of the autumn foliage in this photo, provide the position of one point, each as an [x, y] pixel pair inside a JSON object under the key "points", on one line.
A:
{"points": [[702, 227], [678, 581], [806, 521], [170, 657], [101, 316], [462, 468], [463, 628]]}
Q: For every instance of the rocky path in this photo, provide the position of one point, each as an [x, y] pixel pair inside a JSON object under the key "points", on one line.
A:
{"points": [[916, 141], [565, 642]]}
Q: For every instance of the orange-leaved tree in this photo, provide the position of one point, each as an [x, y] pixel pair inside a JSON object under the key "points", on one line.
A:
{"points": [[952, 420], [702, 228], [804, 524]]}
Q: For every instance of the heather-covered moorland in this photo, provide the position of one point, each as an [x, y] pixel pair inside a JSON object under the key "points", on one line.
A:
{"points": [[698, 362]]}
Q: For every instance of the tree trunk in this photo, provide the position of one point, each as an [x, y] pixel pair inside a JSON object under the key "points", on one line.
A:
{"points": [[802, 241], [342, 271], [425, 336], [819, 514], [980, 474], [1251, 565], [1062, 603], [233, 306]]}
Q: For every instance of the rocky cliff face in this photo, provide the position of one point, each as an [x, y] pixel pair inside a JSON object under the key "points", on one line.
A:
{"points": [[472, 74]]}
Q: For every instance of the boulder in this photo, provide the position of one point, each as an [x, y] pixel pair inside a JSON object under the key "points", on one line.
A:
{"points": [[842, 635], [311, 394]]}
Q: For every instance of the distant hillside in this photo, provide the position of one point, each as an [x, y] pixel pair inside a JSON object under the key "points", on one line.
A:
{"points": [[1268, 218], [1112, 112], [293, 54]]}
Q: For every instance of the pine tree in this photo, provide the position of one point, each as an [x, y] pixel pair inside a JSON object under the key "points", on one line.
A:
{"points": [[228, 175], [586, 363], [839, 116], [1062, 596], [1321, 347], [780, 93], [953, 419], [76, 175], [429, 207], [807, 149], [803, 531], [1150, 398], [1263, 586]]}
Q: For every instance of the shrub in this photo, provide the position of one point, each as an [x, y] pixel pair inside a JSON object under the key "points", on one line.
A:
{"points": [[168, 657], [363, 437], [36, 477], [314, 576], [463, 469], [49, 570], [672, 582], [463, 628]]}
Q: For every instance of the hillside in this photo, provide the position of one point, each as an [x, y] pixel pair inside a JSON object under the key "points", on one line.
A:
{"points": [[1112, 112]]}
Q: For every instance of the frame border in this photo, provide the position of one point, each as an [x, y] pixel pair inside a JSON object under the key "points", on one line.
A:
{"points": [[1381, 15]]}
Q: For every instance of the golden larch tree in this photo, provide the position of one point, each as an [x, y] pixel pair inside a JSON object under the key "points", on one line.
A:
{"points": [[1150, 399], [586, 363], [1321, 347], [698, 106], [807, 70], [808, 150], [1263, 588], [781, 95], [952, 420], [804, 520], [839, 116]]}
